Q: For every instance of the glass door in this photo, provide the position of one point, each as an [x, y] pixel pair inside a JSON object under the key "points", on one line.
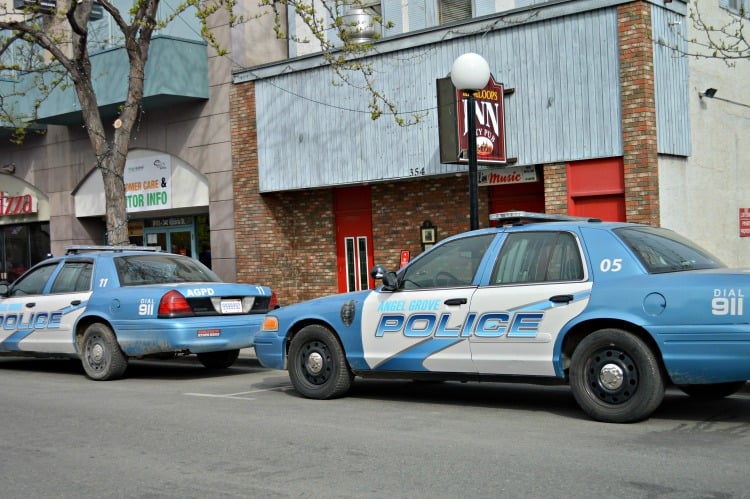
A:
{"points": [[180, 240]]}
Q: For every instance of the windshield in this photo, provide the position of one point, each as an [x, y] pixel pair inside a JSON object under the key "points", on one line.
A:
{"points": [[662, 250], [139, 270]]}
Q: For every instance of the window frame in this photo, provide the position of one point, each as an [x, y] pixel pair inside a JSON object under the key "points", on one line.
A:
{"points": [[535, 253], [465, 250]]}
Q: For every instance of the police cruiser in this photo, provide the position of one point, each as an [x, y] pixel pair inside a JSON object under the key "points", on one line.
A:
{"points": [[107, 304], [615, 310]]}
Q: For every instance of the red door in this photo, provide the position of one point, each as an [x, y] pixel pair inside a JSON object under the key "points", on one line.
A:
{"points": [[527, 196], [596, 188], [353, 213]]}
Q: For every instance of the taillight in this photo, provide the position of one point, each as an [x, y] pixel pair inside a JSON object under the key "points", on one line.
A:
{"points": [[274, 303], [173, 304]]}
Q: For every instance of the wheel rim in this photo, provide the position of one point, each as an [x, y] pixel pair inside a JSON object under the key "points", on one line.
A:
{"points": [[612, 376], [315, 361], [96, 354]]}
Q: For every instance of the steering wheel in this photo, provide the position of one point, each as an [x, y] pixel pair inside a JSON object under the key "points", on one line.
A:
{"points": [[443, 279]]}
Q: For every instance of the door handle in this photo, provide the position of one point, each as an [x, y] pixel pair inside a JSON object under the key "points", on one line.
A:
{"points": [[75, 302], [31, 305], [455, 301], [561, 298]]}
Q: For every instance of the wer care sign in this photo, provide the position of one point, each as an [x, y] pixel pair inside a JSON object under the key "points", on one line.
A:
{"points": [[453, 123], [148, 183]]}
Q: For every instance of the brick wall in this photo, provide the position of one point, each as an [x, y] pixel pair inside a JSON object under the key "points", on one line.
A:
{"points": [[638, 113], [288, 240], [555, 188], [399, 208], [285, 240]]}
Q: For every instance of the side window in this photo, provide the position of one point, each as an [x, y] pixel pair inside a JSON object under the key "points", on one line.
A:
{"points": [[74, 277], [33, 283], [452, 264], [528, 257]]}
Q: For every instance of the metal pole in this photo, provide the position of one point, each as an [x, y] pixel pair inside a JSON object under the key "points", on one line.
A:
{"points": [[473, 181]]}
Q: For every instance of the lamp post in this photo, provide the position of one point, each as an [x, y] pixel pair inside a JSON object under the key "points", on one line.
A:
{"points": [[470, 72]]}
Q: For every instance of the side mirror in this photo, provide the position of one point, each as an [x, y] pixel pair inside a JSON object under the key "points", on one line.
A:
{"points": [[380, 273], [4, 288]]}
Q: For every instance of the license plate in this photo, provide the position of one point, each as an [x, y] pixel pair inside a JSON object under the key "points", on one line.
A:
{"points": [[231, 306]]}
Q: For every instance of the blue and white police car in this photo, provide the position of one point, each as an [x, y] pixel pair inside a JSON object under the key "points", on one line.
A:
{"points": [[615, 310], [106, 304]]}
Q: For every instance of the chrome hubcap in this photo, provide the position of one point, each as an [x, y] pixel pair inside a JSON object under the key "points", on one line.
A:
{"points": [[97, 353], [314, 363], [611, 376]]}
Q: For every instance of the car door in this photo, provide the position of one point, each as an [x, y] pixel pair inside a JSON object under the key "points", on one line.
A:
{"points": [[421, 326], [538, 283], [40, 313]]}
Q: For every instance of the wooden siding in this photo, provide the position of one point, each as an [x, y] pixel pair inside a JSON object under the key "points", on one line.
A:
{"points": [[566, 105], [671, 81]]}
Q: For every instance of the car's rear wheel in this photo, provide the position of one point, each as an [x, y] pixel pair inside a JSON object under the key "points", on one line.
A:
{"points": [[317, 364], [615, 377], [712, 391], [101, 356], [218, 360]]}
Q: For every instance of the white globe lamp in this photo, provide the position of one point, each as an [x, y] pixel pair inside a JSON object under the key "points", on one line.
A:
{"points": [[470, 72]]}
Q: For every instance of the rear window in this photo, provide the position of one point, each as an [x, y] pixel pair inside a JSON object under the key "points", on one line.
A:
{"points": [[139, 270], [661, 250]]}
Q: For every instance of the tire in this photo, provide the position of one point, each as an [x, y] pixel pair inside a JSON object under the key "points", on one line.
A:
{"points": [[101, 356], [615, 377], [218, 360], [712, 391], [317, 364]]}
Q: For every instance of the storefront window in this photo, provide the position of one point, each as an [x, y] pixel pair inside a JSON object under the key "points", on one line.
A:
{"points": [[203, 231], [183, 235], [21, 246]]}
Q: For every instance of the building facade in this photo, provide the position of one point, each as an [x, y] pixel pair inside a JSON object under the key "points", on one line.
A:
{"points": [[604, 120], [287, 181], [178, 173]]}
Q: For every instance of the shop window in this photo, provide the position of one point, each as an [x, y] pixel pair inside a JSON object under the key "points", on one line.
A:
{"points": [[21, 246]]}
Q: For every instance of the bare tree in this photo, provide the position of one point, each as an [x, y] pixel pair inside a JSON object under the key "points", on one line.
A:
{"points": [[60, 29], [724, 37]]}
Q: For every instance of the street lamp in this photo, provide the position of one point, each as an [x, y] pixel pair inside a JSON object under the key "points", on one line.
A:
{"points": [[470, 72]]}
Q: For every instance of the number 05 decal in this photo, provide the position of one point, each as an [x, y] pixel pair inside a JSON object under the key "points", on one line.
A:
{"points": [[611, 265]]}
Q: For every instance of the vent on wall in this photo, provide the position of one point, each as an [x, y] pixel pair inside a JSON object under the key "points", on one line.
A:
{"points": [[454, 10]]}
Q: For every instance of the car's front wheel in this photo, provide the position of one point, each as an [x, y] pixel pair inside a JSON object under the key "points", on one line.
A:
{"points": [[100, 353], [317, 364], [615, 377], [712, 391], [218, 360]]}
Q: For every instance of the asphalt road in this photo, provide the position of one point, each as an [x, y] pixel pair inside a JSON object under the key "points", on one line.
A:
{"points": [[174, 429]]}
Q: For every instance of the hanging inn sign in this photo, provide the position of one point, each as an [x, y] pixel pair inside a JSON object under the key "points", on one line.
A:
{"points": [[453, 123]]}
